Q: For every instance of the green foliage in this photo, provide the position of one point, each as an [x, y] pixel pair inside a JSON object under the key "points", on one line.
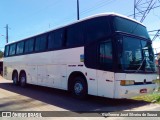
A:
{"points": [[154, 97], [1, 54]]}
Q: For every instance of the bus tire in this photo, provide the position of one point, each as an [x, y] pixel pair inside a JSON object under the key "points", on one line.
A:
{"points": [[23, 79], [15, 78], [79, 88]]}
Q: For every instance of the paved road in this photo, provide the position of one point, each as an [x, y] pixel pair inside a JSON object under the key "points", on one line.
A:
{"points": [[35, 98]]}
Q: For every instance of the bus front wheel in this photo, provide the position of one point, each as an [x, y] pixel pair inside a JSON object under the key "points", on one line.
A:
{"points": [[79, 88], [23, 79]]}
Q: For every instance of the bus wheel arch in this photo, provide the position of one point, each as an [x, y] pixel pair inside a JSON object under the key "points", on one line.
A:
{"points": [[77, 85], [22, 78], [15, 77]]}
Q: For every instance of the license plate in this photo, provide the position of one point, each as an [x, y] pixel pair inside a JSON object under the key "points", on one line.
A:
{"points": [[143, 90]]}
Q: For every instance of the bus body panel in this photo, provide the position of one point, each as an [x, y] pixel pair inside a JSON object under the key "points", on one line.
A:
{"points": [[31, 73], [133, 90], [105, 83], [47, 68], [141, 77], [92, 81]]}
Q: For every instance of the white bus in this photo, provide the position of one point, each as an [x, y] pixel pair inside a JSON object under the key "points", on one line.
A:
{"points": [[106, 55]]}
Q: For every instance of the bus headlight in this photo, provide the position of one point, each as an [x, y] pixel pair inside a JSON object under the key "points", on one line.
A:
{"points": [[127, 82]]}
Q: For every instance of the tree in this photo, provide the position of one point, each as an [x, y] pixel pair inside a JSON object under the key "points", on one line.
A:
{"points": [[1, 54]]}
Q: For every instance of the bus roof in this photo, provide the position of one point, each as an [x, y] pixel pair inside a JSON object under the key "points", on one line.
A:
{"points": [[87, 18]]}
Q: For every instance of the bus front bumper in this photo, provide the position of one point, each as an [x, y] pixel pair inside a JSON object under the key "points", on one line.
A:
{"points": [[134, 90]]}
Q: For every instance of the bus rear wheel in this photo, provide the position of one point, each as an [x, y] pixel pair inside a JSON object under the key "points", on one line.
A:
{"points": [[22, 79], [79, 88], [15, 78]]}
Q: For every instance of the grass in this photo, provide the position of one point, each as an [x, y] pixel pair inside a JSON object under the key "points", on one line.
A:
{"points": [[153, 98]]}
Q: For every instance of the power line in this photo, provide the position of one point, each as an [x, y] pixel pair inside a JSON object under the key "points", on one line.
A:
{"points": [[97, 6], [142, 9], [154, 30], [50, 5], [151, 4], [104, 3], [94, 5], [35, 13], [156, 35]]}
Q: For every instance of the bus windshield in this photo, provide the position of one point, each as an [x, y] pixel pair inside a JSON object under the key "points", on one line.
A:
{"points": [[128, 26], [135, 55]]}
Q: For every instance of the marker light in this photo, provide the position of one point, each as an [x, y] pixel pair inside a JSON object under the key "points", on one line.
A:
{"points": [[127, 82]]}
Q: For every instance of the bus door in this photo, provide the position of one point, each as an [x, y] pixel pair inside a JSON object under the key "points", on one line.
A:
{"points": [[104, 75]]}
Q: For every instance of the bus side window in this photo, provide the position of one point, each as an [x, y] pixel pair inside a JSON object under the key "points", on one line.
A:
{"points": [[75, 35], [6, 51], [105, 56], [20, 47], [40, 44], [50, 40], [29, 45], [56, 39], [12, 49], [98, 28]]}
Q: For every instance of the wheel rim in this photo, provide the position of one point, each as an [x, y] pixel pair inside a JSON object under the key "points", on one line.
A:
{"points": [[78, 87], [23, 80]]}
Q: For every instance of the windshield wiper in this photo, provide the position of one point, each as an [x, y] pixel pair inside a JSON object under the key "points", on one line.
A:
{"points": [[140, 65], [144, 59]]}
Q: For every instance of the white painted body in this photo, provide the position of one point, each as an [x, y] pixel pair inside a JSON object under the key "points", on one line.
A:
{"points": [[53, 68]]}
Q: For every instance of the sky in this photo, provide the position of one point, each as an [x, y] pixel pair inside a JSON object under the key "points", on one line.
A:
{"points": [[30, 17]]}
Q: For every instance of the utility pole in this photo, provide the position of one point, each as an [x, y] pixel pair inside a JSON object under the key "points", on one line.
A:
{"points": [[6, 33], [77, 9], [134, 9]]}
